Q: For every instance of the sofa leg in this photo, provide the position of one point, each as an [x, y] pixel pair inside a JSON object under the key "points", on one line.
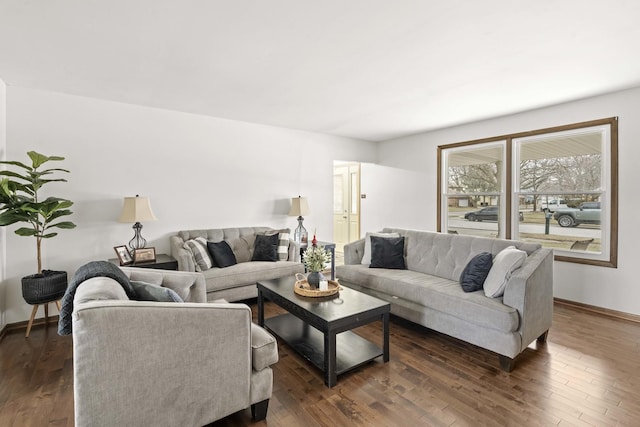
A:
{"points": [[506, 363], [259, 410], [543, 338]]}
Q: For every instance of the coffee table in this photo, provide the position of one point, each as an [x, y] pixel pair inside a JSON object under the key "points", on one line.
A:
{"points": [[319, 329]]}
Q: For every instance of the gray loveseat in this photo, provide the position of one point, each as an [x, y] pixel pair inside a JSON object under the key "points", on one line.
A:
{"points": [[144, 363], [428, 292], [236, 282]]}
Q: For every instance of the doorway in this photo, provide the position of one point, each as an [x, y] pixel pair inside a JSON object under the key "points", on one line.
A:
{"points": [[346, 203]]}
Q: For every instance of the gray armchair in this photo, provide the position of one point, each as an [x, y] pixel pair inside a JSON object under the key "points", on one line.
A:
{"points": [[163, 363]]}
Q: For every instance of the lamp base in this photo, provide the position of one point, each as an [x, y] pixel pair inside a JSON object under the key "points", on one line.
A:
{"points": [[138, 242], [300, 235]]}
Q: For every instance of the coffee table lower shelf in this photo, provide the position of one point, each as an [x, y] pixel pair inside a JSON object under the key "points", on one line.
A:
{"points": [[351, 349]]}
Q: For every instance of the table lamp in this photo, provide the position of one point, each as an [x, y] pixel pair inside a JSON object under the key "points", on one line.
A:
{"points": [[137, 209], [299, 207]]}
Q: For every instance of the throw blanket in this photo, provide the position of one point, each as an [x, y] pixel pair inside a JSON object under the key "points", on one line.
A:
{"points": [[86, 272]]}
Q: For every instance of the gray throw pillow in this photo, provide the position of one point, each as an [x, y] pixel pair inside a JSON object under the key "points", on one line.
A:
{"points": [[148, 292]]}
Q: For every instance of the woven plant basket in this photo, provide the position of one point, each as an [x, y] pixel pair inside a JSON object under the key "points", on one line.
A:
{"points": [[46, 287]]}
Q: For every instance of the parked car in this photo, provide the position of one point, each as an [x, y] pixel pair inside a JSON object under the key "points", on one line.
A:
{"points": [[489, 213], [586, 213], [553, 204]]}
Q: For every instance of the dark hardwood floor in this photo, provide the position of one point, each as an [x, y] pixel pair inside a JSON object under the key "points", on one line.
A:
{"points": [[587, 374]]}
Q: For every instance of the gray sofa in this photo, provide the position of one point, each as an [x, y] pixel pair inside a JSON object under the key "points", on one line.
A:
{"points": [[428, 292], [143, 363], [236, 282]]}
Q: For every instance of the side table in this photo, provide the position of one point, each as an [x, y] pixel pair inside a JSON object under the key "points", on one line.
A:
{"points": [[331, 247], [162, 262]]}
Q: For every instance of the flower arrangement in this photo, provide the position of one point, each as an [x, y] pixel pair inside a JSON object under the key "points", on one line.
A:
{"points": [[315, 258]]}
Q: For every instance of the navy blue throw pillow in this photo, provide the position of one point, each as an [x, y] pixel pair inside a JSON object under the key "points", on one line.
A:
{"points": [[222, 254], [266, 248], [387, 252], [475, 272]]}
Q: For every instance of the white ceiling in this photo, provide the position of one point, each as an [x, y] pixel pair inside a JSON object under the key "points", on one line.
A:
{"points": [[368, 69]]}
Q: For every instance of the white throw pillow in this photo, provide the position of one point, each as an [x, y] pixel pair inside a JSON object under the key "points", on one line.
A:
{"points": [[504, 264], [366, 258]]}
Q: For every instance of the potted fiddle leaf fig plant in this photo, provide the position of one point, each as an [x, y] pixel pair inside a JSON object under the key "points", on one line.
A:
{"points": [[20, 202]]}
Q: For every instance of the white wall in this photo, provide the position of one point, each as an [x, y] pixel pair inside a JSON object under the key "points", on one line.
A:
{"points": [[411, 162], [395, 198], [3, 249], [199, 172]]}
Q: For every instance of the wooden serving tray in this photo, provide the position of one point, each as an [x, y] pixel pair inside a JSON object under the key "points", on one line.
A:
{"points": [[302, 287]]}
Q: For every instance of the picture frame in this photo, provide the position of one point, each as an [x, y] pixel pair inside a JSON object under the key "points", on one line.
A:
{"points": [[123, 254], [144, 255]]}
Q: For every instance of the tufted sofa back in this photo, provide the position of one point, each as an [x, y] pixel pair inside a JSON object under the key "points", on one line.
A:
{"points": [[446, 255]]}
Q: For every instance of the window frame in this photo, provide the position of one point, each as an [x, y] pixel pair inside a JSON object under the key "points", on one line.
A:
{"points": [[508, 224]]}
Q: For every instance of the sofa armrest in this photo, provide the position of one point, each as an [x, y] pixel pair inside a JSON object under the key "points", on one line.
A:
{"points": [[353, 252], [294, 251], [264, 349], [184, 258], [191, 287], [530, 291], [160, 363]]}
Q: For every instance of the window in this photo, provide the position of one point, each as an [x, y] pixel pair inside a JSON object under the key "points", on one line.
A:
{"points": [[556, 187]]}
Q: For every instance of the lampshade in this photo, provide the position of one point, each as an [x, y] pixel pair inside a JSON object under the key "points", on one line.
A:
{"points": [[136, 209], [299, 206]]}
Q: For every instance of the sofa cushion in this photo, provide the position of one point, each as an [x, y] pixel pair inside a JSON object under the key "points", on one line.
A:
{"points": [[387, 252], [148, 292], [366, 257], [438, 293], [248, 273], [265, 248], [222, 254], [474, 274], [242, 247], [198, 249], [504, 264]]}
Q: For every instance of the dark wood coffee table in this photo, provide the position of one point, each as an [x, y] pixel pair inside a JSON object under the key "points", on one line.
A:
{"points": [[319, 328]]}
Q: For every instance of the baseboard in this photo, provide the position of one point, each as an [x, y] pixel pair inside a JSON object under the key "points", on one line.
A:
{"points": [[599, 310], [13, 327], [3, 332]]}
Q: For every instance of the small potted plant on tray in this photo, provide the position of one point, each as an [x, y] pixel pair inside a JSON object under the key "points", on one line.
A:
{"points": [[314, 259]]}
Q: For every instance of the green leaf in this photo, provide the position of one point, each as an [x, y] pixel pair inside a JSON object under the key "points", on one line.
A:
{"points": [[19, 164], [67, 225], [48, 171], [48, 236], [26, 232], [14, 175], [8, 218], [58, 214], [38, 159]]}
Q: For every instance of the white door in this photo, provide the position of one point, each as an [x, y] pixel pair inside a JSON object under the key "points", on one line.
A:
{"points": [[346, 204]]}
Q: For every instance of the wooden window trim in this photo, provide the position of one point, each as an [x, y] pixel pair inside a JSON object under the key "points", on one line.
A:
{"points": [[613, 172]]}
